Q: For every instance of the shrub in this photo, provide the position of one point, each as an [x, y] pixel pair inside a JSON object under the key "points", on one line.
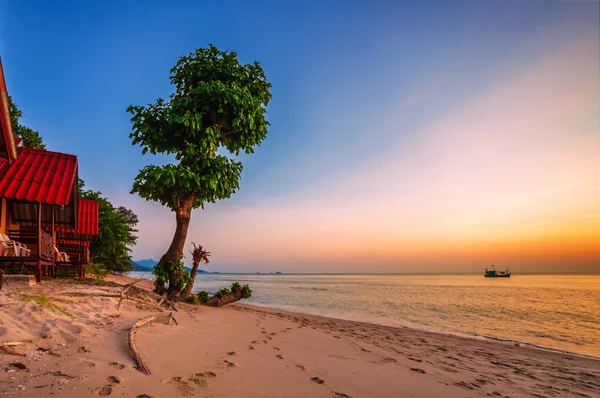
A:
{"points": [[235, 285], [246, 292], [192, 299], [99, 271], [203, 296]]}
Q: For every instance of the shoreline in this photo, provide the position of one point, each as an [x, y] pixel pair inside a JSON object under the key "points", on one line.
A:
{"points": [[465, 335], [77, 347], [505, 335]]}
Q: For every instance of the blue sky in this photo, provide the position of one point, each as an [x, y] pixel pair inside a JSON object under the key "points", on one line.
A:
{"points": [[355, 84]]}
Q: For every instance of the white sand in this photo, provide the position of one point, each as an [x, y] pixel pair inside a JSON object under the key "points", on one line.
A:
{"points": [[243, 351]]}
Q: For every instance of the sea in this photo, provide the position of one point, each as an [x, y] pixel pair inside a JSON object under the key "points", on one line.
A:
{"points": [[557, 312]]}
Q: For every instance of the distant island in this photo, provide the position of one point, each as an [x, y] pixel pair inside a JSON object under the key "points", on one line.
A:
{"points": [[147, 265]]}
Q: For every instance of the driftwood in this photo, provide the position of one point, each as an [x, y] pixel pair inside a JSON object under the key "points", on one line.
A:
{"points": [[126, 288], [132, 349], [170, 304], [116, 295], [6, 347], [236, 295]]}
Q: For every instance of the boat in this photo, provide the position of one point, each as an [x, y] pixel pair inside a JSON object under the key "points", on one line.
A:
{"points": [[492, 273]]}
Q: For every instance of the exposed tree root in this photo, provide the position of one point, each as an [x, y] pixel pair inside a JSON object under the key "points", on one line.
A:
{"points": [[132, 349]]}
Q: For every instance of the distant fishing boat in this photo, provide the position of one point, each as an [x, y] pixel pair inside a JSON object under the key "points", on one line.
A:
{"points": [[492, 273]]}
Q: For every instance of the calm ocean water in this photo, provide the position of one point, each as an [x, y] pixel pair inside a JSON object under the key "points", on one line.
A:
{"points": [[554, 311]]}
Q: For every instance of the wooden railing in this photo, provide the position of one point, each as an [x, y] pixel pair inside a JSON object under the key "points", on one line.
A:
{"points": [[45, 245], [40, 245]]}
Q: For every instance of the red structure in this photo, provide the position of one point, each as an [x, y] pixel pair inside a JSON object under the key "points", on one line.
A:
{"points": [[42, 221]]}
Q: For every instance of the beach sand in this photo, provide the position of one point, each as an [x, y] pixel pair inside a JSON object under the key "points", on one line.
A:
{"points": [[245, 351]]}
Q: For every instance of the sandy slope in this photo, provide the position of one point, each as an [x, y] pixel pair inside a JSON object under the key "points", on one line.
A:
{"points": [[243, 351]]}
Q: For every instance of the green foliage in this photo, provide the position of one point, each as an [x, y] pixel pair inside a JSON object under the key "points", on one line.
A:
{"points": [[44, 302], [187, 279], [235, 285], [116, 233], [204, 296], [31, 138], [193, 299], [98, 270], [161, 275], [218, 104], [246, 292]]}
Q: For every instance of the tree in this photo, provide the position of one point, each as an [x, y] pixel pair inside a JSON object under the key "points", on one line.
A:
{"points": [[31, 138], [116, 233], [199, 255], [218, 110]]}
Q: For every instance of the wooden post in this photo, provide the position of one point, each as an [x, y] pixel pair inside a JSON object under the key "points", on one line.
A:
{"points": [[53, 270], [38, 270]]}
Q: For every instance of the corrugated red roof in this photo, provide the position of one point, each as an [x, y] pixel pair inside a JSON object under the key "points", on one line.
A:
{"points": [[40, 176], [87, 218]]}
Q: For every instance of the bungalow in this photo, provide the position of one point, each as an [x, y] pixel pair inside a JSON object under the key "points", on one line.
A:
{"points": [[43, 223]]}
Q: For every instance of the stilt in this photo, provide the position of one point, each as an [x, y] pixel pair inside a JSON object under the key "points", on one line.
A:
{"points": [[38, 271]]}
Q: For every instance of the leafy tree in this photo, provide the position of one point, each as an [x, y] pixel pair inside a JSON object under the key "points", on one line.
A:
{"points": [[116, 233], [218, 109], [31, 138]]}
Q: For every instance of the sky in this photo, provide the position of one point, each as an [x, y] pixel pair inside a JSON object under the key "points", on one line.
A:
{"points": [[406, 136]]}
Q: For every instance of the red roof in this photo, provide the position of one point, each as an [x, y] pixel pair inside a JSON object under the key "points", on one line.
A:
{"points": [[40, 176], [87, 218]]}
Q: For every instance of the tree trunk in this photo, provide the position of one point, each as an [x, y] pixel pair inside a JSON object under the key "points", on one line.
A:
{"points": [[236, 295], [174, 254], [187, 292]]}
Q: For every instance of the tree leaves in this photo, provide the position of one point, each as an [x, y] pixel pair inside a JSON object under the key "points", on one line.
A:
{"points": [[116, 233], [31, 138], [218, 103]]}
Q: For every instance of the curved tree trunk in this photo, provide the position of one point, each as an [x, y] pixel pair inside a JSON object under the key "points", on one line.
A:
{"points": [[187, 292], [174, 253]]}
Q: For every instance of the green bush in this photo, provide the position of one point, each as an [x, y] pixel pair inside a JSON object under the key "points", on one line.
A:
{"points": [[235, 285], [203, 296], [98, 270], [192, 299], [246, 292]]}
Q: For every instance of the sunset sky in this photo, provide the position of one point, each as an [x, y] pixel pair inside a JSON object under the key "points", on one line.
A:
{"points": [[423, 136]]}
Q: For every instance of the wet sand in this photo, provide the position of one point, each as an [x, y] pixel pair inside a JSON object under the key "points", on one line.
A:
{"points": [[79, 349]]}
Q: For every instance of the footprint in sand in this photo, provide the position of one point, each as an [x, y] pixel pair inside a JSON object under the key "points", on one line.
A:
{"points": [[317, 380], [145, 396], [116, 365], [114, 379], [300, 367], [279, 356], [231, 353], [105, 391], [201, 379], [417, 370], [181, 385], [89, 364], [250, 347], [229, 364], [415, 359], [341, 395], [276, 349]]}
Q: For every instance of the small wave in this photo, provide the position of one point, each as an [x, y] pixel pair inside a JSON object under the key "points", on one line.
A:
{"points": [[308, 288]]}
